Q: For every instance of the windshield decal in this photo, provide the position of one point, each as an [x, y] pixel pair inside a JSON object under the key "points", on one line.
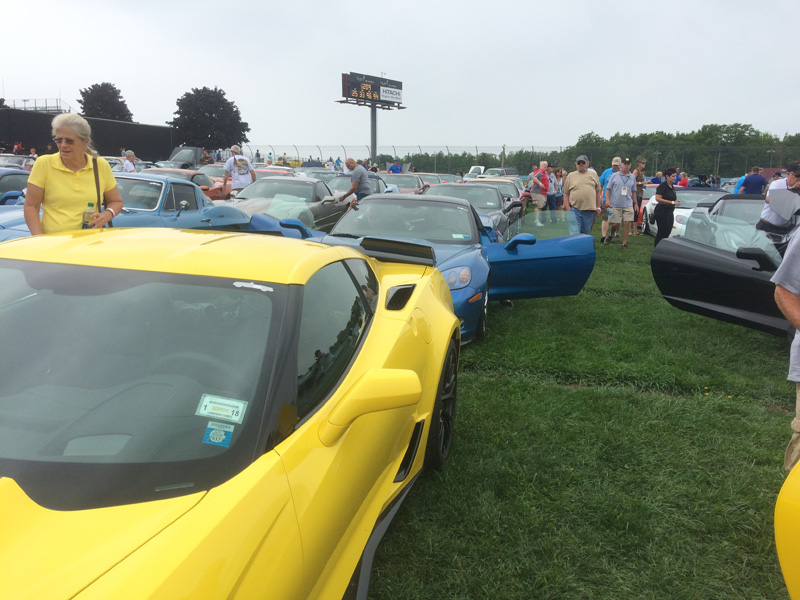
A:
{"points": [[221, 408], [252, 286], [218, 434]]}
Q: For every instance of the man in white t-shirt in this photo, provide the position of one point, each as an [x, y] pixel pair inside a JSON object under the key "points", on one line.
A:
{"points": [[771, 221], [239, 168], [128, 166]]}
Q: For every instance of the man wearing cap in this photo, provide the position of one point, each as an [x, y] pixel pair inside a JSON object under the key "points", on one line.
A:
{"points": [[772, 222], [620, 195], [359, 179], [396, 167], [239, 169], [582, 194], [614, 168]]}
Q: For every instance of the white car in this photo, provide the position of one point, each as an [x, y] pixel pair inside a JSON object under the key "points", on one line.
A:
{"points": [[689, 198]]}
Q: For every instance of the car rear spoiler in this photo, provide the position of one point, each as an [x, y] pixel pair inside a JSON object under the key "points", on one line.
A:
{"points": [[388, 250]]}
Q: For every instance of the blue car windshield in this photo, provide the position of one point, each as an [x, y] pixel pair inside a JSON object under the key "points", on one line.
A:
{"points": [[435, 221], [126, 386]]}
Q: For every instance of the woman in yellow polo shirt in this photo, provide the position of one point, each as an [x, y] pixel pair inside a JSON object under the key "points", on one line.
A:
{"points": [[63, 183]]}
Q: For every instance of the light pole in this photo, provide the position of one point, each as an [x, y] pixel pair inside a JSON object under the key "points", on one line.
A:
{"points": [[655, 165], [770, 152]]}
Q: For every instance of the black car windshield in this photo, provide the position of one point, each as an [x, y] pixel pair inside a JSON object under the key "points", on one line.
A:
{"points": [[407, 181], [690, 199], [435, 221], [288, 189], [139, 193], [481, 198], [128, 386], [506, 188], [342, 184]]}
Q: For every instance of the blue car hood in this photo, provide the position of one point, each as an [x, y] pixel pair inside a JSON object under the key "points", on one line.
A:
{"points": [[13, 219]]}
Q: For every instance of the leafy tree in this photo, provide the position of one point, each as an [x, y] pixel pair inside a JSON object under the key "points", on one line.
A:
{"points": [[104, 101], [3, 103], [205, 118]]}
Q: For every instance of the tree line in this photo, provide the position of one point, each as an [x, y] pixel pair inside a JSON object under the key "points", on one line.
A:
{"points": [[206, 118]]}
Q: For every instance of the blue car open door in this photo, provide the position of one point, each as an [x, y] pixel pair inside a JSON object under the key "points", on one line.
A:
{"points": [[525, 267]]}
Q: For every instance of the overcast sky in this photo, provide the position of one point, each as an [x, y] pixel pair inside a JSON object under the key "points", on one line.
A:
{"points": [[515, 72]]}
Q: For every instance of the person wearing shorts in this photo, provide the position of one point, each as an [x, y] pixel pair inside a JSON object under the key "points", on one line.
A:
{"points": [[621, 198]]}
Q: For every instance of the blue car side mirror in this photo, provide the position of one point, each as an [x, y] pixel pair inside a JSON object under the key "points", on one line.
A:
{"points": [[527, 239]]}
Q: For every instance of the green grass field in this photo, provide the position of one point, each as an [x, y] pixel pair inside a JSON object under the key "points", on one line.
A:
{"points": [[607, 446]]}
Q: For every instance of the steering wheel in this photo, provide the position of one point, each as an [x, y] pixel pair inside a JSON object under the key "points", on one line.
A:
{"points": [[213, 372]]}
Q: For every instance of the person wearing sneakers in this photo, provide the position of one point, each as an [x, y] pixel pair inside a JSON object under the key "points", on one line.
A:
{"points": [[614, 168], [538, 185], [620, 197], [582, 197]]}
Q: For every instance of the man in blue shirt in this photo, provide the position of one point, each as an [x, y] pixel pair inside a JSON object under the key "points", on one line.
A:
{"points": [[396, 168], [739, 184], [754, 183], [614, 168]]}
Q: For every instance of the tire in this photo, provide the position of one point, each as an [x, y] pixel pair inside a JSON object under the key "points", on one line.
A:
{"points": [[440, 435], [480, 331], [646, 223]]}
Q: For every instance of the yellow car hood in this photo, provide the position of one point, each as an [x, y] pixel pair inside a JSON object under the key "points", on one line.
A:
{"points": [[55, 554]]}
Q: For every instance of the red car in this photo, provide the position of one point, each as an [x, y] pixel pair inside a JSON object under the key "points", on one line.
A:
{"points": [[408, 183], [211, 187]]}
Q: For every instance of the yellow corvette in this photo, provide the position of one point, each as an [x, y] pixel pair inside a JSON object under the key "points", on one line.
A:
{"points": [[787, 531], [189, 414]]}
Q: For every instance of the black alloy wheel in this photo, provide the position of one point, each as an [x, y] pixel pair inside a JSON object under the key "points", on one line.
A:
{"points": [[440, 436]]}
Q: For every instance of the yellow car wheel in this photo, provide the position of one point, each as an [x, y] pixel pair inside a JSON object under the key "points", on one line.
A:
{"points": [[440, 437]]}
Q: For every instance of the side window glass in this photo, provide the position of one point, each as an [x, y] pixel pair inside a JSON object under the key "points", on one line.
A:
{"points": [[321, 191], [333, 321], [366, 280], [184, 192]]}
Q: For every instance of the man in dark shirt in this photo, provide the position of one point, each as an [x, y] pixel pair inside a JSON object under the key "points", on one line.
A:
{"points": [[360, 182], [754, 183]]}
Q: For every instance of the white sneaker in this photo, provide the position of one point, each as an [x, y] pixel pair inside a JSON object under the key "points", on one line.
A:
{"points": [[538, 223]]}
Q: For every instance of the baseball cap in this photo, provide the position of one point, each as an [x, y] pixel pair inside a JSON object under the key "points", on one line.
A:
{"points": [[626, 161], [582, 158], [616, 161]]}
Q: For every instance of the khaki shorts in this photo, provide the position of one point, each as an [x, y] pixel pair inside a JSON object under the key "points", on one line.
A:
{"points": [[618, 215], [538, 200]]}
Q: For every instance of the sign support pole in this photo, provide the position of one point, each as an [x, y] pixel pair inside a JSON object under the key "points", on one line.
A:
{"points": [[373, 136]]}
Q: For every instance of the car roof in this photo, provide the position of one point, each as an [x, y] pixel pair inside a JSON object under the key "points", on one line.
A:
{"points": [[232, 255], [5, 171], [148, 176]]}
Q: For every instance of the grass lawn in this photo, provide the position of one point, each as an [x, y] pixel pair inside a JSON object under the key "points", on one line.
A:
{"points": [[607, 446]]}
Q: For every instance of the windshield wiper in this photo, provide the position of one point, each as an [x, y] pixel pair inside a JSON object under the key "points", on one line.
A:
{"points": [[346, 235]]}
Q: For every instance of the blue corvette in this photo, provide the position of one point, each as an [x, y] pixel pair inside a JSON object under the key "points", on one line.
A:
{"points": [[162, 201], [520, 268]]}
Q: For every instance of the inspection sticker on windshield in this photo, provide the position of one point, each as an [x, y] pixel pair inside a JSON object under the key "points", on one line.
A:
{"points": [[218, 407], [218, 434]]}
